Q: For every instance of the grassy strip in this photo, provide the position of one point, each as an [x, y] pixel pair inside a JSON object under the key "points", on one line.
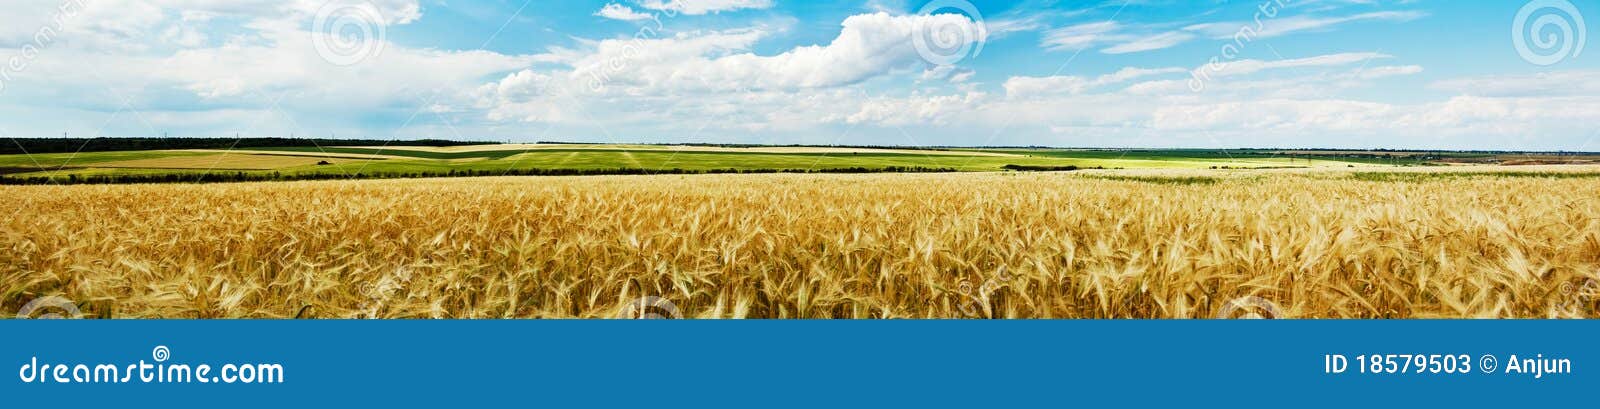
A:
{"points": [[1428, 176], [1196, 154], [502, 154], [277, 176], [402, 152]]}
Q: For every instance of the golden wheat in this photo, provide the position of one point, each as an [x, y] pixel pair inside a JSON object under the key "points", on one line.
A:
{"points": [[810, 246]]}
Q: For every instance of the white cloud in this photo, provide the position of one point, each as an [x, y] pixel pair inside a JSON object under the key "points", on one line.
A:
{"points": [[1024, 87], [167, 60], [698, 7], [1557, 83], [1388, 71], [1244, 67], [616, 11], [868, 46], [712, 77], [1081, 36], [1149, 43], [1291, 102], [950, 73], [915, 110], [1122, 38], [1269, 28], [219, 65]]}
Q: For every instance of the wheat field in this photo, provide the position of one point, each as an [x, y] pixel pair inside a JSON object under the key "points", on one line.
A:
{"points": [[982, 245]]}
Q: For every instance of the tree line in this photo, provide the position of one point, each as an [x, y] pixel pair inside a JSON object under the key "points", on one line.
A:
{"points": [[225, 177], [70, 145]]}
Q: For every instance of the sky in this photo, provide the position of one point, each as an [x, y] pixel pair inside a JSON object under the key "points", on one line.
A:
{"points": [[1101, 73]]}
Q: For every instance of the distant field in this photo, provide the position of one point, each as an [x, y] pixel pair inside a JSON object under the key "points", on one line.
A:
{"points": [[753, 149], [218, 161], [407, 161], [332, 162]]}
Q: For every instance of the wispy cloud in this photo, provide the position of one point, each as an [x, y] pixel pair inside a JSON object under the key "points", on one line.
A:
{"points": [[1126, 38], [1081, 36], [1243, 67], [699, 7], [1583, 82], [1154, 42], [1294, 24]]}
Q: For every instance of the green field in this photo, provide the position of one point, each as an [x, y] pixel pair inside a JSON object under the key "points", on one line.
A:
{"points": [[401, 162]]}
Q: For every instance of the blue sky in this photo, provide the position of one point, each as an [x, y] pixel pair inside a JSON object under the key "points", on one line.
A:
{"points": [[1107, 73]]}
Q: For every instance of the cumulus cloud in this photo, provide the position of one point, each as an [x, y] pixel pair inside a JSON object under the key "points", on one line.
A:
{"points": [[249, 64], [616, 11], [868, 46], [161, 61]]}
